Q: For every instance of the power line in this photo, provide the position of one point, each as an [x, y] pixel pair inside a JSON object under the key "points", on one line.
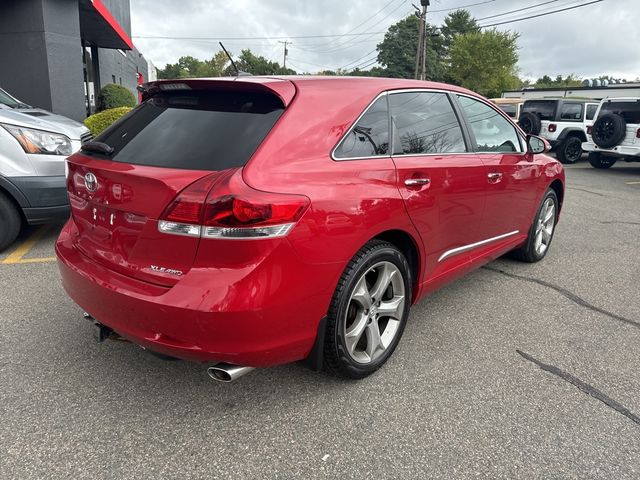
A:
{"points": [[462, 6], [161, 37], [541, 14], [517, 10]]}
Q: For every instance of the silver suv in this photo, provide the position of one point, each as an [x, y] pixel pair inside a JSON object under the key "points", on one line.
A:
{"points": [[615, 134], [562, 122], [34, 144]]}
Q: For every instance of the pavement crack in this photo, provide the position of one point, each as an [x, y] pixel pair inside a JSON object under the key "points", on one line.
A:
{"points": [[609, 222], [583, 386], [587, 191], [566, 293]]}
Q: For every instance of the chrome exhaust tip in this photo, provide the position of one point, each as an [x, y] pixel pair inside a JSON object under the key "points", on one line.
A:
{"points": [[226, 372]]}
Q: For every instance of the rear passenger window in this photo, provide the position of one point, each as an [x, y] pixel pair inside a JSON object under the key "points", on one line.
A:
{"points": [[571, 111], [493, 132], [423, 123], [370, 136], [591, 111]]}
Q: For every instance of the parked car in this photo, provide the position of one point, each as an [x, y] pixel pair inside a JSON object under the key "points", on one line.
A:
{"points": [[259, 221], [33, 146], [615, 134], [563, 122], [510, 106]]}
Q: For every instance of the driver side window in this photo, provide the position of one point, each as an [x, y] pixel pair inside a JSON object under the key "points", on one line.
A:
{"points": [[492, 131]]}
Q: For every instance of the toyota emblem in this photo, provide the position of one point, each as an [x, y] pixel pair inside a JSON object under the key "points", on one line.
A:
{"points": [[91, 182]]}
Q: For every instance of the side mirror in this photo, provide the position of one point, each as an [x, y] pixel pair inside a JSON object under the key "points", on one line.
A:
{"points": [[536, 144]]}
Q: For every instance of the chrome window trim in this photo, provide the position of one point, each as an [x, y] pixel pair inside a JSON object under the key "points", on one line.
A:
{"points": [[353, 125], [523, 141], [471, 246]]}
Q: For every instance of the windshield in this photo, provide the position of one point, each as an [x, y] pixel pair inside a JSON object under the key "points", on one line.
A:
{"points": [[8, 100], [545, 109], [630, 111], [509, 110]]}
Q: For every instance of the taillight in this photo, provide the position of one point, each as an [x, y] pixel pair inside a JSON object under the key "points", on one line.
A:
{"points": [[589, 129], [552, 127], [231, 210], [235, 210], [638, 133]]}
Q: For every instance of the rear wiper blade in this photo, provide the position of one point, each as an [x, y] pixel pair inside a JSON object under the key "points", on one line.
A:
{"points": [[97, 147]]}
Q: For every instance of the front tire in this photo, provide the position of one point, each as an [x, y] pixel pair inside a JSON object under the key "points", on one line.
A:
{"points": [[542, 230], [368, 312], [10, 222], [570, 151], [597, 160]]}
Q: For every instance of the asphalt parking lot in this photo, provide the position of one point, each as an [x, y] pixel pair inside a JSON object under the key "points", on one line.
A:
{"points": [[528, 371]]}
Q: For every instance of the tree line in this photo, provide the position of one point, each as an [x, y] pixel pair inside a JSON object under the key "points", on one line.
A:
{"points": [[458, 52]]}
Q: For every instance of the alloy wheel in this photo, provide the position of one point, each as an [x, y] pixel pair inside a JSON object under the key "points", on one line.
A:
{"points": [[544, 227], [374, 312]]}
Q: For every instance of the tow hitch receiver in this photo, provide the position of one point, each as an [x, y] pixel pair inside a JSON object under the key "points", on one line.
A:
{"points": [[100, 332]]}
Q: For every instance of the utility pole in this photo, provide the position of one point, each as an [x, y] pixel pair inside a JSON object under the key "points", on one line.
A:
{"points": [[286, 51], [421, 50]]}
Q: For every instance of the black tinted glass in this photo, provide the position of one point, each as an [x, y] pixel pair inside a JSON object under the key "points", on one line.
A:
{"points": [[630, 111], [425, 122], [591, 111], [545, 109], [194, 130], [370, 136], [571, 111], [509, 110]]}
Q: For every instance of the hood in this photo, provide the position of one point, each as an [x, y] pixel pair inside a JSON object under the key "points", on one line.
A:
{"points": [[43, 120]]}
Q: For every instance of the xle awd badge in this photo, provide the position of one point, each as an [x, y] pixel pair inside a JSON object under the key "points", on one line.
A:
{"points": [[171, 271], [90, 182]]}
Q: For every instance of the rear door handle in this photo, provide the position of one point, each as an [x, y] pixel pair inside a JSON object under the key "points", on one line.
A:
{"points": [[494, 177], [412, 182]]}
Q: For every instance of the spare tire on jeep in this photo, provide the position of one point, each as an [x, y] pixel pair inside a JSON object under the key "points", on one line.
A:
{"points": [[609, 130], [530, 123]]}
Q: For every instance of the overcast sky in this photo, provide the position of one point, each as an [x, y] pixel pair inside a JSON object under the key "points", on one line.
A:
{"points": [[597, 39]]}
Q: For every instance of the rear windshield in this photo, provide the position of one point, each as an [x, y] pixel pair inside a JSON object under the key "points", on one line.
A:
{"points": [[193, 130], [509, 110], [630, 111], [545, 109]]}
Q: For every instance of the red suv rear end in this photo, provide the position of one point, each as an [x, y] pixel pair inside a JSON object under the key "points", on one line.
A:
{"points": [[220, 221]]}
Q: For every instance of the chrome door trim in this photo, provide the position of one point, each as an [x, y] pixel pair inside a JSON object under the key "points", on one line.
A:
{"points": [[471, 246]]}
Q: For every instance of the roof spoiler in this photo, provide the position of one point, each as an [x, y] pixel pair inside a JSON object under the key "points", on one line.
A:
{"points": [[285, 90]]}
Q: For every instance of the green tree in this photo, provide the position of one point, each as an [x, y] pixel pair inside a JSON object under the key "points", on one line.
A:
{"points": [[485, 61], [397, 51], [547, 82], [459, 22], [192, 67], [114, 96], [257, 65]]}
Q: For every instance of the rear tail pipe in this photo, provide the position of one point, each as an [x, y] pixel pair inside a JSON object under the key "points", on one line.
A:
{"points": [[226, 372]]}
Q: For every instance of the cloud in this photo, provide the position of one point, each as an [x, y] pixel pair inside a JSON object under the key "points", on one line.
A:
{"points": [[594, 40]]}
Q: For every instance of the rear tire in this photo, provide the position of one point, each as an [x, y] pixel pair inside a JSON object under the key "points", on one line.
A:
{"points": [[541, 231], [362, 330], [597, 160], [10, 221], [570, 151]]}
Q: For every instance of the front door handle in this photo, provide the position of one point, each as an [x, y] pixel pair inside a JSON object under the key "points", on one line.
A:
{"points": [[412, 182], [494, 177]]}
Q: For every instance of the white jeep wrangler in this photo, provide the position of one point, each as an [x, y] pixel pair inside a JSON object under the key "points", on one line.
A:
{"points": [[615, 134], [562, 122]]}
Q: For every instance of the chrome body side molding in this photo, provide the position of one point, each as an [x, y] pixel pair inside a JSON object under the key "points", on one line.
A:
{"points": [[471, 246]]}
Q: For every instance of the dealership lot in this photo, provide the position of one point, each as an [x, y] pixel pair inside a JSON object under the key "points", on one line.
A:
{"points": [[514, 370]]}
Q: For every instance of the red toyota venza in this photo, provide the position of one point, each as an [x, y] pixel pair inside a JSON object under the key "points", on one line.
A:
{"points": [[250, 222]]}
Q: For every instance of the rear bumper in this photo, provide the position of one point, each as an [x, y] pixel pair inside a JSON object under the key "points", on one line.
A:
{"points": [[260, 315], [619, 151]]}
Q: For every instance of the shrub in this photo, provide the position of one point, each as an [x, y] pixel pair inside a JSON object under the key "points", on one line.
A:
{"points": [[114, 96], [100, 121]]}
